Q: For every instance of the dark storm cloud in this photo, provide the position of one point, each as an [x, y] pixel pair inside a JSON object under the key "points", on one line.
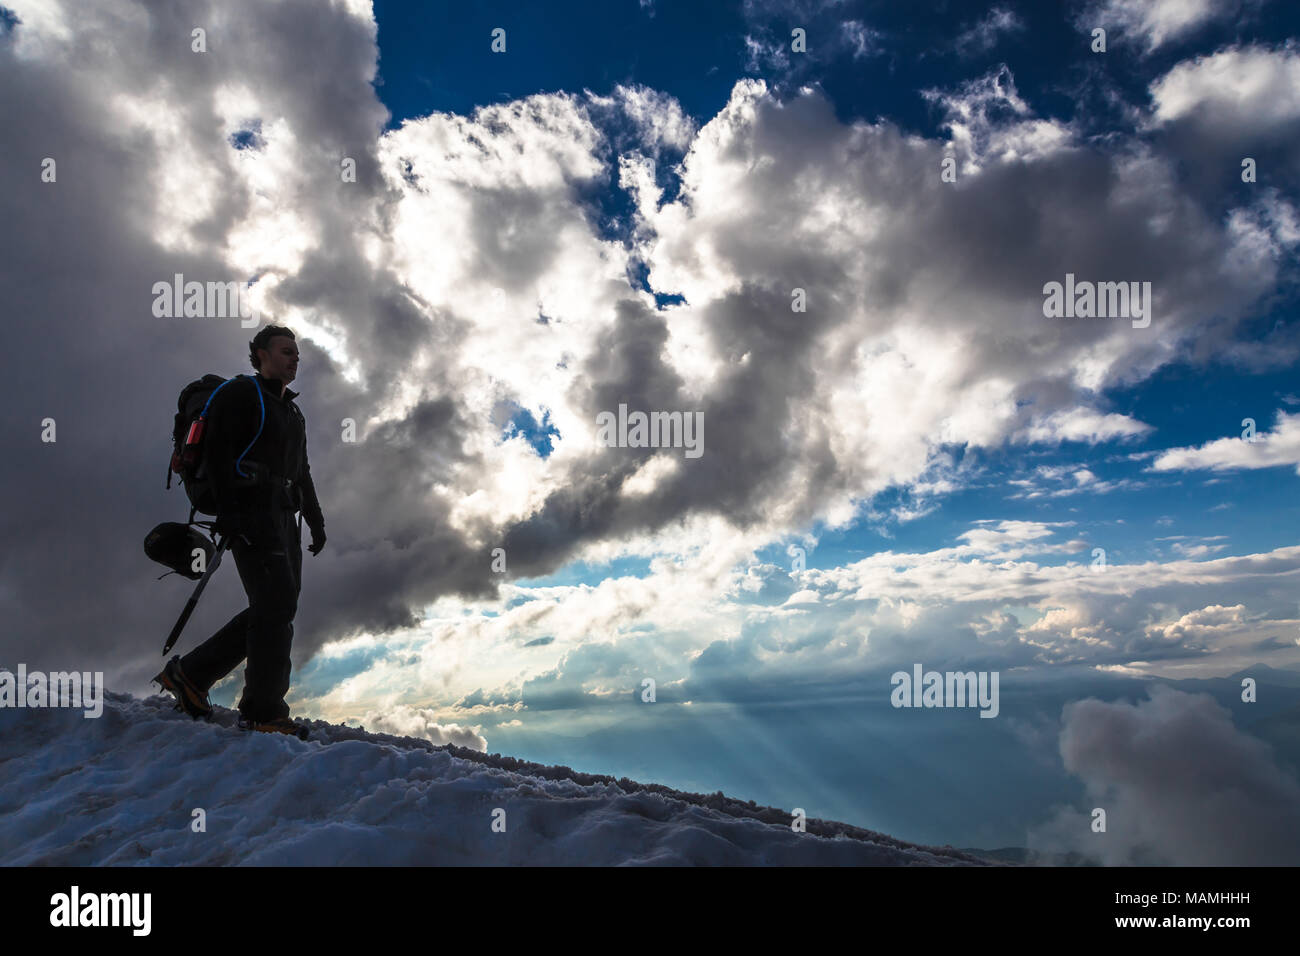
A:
{"points": [[80, 259], [626, 366]]}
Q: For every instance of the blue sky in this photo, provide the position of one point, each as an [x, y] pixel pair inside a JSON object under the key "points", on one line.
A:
{"points": [[665, 206]]}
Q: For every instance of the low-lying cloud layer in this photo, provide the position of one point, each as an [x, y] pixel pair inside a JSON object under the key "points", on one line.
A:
{"points": [[1141, 762]]}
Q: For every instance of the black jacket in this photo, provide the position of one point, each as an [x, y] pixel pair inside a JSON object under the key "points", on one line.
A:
{"points": [[279, 452]]}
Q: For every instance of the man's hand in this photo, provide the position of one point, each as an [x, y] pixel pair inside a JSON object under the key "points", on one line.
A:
{"points": [[317, 540]]}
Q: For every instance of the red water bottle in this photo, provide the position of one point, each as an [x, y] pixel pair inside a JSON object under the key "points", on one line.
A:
{"points": [[191, 450]]}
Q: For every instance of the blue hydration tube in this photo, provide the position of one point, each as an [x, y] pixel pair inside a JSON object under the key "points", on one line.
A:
{"points": [[262, 421]]}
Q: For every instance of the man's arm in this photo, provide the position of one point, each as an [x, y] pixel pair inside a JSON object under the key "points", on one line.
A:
{"points": [[310, 504], [311, 510]]}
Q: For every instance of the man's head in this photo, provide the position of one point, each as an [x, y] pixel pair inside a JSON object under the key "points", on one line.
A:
{"points": [[274, 353]]}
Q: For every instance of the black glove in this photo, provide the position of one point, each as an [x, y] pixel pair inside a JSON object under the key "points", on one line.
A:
{"points": [[317, 540]]}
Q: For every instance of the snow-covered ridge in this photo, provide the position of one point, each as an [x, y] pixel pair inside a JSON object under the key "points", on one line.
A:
{"points": [[124, 788]]}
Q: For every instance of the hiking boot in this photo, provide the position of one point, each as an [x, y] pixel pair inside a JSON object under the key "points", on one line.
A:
{"points": [[280, 725], [189, 697]]}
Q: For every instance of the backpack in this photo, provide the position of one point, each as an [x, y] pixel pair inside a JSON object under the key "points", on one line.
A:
{"points": [[187, 459]]}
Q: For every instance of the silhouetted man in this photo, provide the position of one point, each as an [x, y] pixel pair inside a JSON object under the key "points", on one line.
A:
{"points": [[260, 481]]}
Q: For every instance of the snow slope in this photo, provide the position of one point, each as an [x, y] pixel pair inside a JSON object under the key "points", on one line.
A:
{"points": [[122, 788]]}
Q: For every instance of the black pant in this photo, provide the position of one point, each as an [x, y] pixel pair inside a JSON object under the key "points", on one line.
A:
{"points": [[271, 572]]}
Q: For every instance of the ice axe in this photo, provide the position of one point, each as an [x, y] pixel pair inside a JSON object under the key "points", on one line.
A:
{"points": [[194, 598]]}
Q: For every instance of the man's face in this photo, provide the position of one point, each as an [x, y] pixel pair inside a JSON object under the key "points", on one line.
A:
{"points": [[279, 359]]}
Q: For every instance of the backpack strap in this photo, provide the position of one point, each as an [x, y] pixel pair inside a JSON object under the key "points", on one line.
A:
{"points": [[261, 422]]}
